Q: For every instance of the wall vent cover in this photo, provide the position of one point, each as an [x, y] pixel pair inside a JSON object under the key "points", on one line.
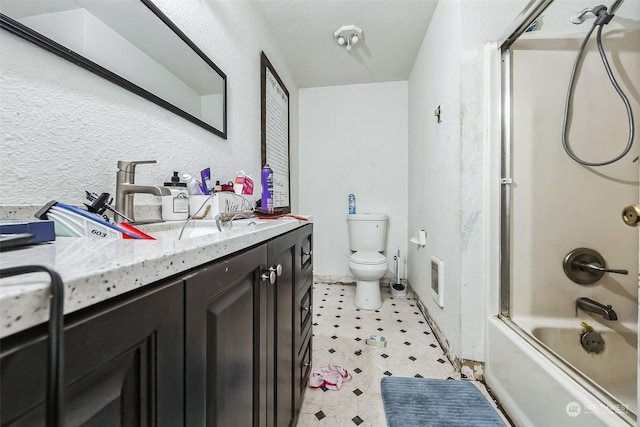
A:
{"points": [[437, 280]]}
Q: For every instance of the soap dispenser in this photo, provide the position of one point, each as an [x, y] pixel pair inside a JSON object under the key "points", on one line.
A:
{"points": [[175, 207]]}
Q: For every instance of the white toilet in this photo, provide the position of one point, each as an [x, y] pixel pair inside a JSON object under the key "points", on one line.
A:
{"points": [[367, 238]]}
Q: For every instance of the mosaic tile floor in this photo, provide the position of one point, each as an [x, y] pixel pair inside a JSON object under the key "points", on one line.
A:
{"points": [[339, 334]]}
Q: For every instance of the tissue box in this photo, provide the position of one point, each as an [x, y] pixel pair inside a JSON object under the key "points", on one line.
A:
{"points": [[222, 203], [376, 341]]}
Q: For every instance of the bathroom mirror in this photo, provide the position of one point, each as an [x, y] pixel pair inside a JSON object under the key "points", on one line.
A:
{"points": [[274, 105], [130, 43]]}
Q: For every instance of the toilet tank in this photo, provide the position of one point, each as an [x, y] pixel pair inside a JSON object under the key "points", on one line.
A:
{"points": [[367, 232]]}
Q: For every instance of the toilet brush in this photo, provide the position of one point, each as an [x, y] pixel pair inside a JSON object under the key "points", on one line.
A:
{"points": [[398, 289], [397, 274]]}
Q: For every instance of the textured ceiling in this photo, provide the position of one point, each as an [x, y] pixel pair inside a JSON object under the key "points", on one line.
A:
{"points": [[393, 32]]}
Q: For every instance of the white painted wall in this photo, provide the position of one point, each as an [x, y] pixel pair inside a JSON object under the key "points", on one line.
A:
{"points": [[64, 128], [353, 139], [447, 165], [434, 167]]}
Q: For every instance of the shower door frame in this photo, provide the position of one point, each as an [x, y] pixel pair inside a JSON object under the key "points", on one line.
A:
{"points": [[529, 14], [521, 23]]}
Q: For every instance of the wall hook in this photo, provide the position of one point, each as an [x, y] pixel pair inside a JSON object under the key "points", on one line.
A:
{"points": [[438, 113]]}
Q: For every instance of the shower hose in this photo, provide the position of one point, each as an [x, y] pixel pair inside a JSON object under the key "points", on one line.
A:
{"points": [[569, 100]]}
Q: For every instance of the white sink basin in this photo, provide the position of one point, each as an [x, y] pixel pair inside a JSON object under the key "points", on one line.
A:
{"points": [[189, 232], [178, 231], [254, 223]]}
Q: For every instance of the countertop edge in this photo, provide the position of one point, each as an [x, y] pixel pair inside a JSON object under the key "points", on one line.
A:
{"points": [[92, 274]]}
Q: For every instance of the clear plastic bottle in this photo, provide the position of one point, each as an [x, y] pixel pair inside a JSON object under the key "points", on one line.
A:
{"points": [[192, 185]]}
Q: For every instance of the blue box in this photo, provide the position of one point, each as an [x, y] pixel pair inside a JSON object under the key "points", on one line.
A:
{"points": [[43, 231]]}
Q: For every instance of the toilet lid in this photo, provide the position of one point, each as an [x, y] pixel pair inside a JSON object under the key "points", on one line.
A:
{"points": [[368, 257]]}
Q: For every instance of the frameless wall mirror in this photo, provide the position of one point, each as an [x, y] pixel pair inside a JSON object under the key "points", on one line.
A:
{"points": [[131, 43]]}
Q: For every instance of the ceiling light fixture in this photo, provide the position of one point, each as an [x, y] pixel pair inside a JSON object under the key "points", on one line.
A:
{"points": [[348, 36]]}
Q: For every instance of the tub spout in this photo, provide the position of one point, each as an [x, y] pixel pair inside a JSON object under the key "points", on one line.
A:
{"points": [[592, 306]]}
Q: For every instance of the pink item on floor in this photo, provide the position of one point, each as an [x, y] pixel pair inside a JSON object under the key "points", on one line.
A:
{"points": [[331, 377]]}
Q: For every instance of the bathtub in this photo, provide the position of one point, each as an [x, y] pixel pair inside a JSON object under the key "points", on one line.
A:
{"points": [[603, 368], [539, 388]]}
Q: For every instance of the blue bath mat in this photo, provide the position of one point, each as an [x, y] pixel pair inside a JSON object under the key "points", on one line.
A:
{"points": [[422, 402]]}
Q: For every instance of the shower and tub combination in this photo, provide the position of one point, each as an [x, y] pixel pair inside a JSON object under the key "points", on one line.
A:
{"points": [[562, 349]]}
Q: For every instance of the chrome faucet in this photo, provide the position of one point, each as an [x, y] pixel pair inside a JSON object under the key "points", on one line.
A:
{"points": [[126, 188], [592, 306]]}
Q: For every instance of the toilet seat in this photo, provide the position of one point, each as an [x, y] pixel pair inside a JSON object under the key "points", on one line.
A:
{"points": [[368, 258]]}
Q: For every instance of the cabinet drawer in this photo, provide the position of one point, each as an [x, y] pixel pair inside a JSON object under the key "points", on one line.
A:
{"points": [[305, 364], [306, 253], [302, 370], [306, 308]]}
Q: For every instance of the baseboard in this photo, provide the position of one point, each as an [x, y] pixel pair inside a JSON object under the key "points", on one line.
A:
{"points": [[345, 280]]}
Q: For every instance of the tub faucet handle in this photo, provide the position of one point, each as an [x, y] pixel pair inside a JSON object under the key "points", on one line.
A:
{"points": [[585, 266]]}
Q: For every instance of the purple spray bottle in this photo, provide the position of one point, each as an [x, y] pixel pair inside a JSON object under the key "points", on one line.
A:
{"points": [[267, 189]]}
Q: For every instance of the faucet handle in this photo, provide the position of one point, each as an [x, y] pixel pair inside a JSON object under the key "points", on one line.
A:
{"points": [[593, 266], [130, 167], [585, 266]]}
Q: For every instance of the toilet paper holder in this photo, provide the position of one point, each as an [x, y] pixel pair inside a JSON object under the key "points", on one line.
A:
{"points": [[421, 239]]}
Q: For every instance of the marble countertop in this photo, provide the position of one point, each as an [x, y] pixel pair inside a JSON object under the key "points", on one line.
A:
{"points": [[94, 270]]}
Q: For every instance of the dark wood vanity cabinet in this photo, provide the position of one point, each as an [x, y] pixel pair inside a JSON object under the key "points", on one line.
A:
{"points": [[242, 352], [218, 346], [122, 365], [225, 314]]}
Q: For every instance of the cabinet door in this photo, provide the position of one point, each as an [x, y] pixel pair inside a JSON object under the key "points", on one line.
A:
{"points": [[281, 255], [122, 365], [225, 309]]}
